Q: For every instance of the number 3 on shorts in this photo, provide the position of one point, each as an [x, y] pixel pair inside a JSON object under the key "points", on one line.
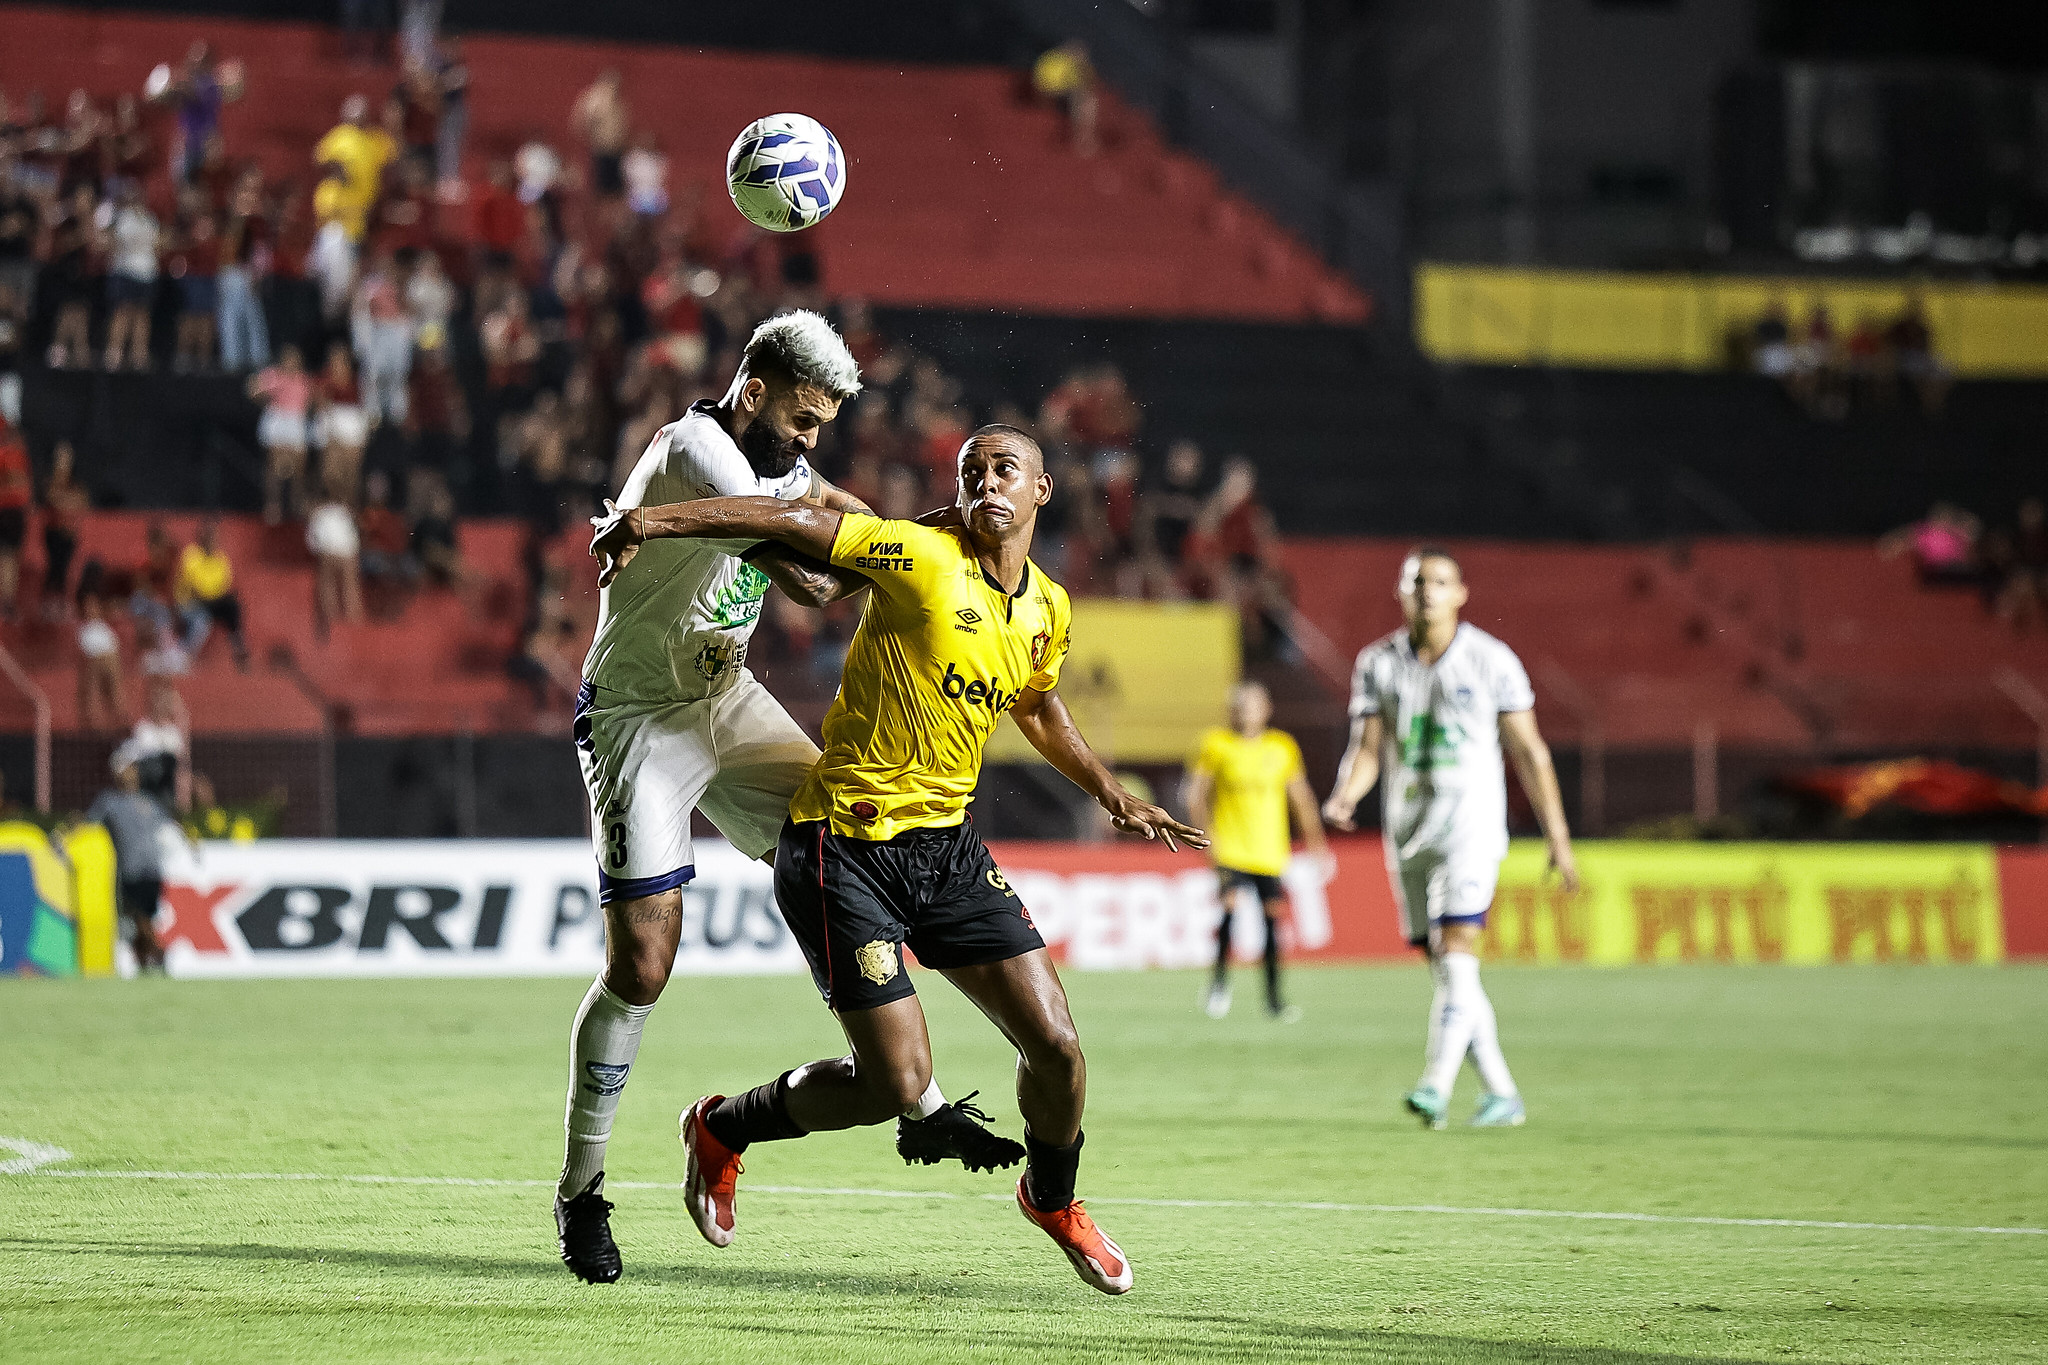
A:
{"points": [[615, 844]]}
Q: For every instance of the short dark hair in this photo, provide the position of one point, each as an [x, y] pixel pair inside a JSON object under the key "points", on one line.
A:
{"points": [[1014, 433], [1437, 552]]}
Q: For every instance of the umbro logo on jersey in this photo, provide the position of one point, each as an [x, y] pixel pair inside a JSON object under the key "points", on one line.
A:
{"points": [[976, 692], [969, 618]]}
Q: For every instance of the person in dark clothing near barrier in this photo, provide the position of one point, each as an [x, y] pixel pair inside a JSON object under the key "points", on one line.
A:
{"points": [[135, 821]]}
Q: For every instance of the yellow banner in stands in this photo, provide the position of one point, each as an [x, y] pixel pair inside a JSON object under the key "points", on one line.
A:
{"points": [[1143, 679], [1642, 902], [1484, 315]]}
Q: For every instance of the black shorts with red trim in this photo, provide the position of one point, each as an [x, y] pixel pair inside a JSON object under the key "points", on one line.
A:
{"points": [[854, 904]]}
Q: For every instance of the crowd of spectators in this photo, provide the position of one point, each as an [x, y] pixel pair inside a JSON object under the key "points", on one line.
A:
{"points": [[411, 342], [2005, 564], [1831, 373]]}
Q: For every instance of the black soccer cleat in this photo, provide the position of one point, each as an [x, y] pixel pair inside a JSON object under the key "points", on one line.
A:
{"points": [[583, 1229], [956, 1130]]}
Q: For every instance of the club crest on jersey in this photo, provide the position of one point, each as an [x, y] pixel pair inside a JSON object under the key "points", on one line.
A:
{"points": [[719, 657], [999, 881], [877, 961], [1041, 644]]}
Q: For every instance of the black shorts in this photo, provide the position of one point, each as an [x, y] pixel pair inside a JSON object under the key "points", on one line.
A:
{"points": [[1268, 889], [854, 903], [139, 897]]}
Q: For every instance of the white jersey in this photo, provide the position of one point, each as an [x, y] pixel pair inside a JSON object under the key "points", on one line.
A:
{"points": [[1442, 787], [674, 625]]}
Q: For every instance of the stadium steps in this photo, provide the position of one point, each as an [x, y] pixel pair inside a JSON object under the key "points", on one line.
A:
{"points": [[434, 665], [961, 194]]}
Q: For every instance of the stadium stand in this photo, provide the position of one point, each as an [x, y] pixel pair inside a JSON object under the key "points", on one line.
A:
{"points": [[1142, 229]]}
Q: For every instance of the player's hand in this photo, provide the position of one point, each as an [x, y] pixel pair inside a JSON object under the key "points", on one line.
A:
{"points": [[614, 543], [1564, 864], [1132, 816], [1337, 813]]}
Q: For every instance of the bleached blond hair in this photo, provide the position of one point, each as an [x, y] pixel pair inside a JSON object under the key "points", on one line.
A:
{"points": [[801, 347]]}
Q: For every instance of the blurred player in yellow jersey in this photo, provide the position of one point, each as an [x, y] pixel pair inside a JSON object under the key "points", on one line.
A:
{"points": [[1242, 784], [878, 852]]}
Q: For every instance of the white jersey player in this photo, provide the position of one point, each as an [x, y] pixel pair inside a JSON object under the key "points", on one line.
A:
{"points": [[1432, 707], [670, 721]]}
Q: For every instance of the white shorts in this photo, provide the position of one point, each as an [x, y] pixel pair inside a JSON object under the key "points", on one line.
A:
{"points": [[341, 424], [276, 427], [647, 765], [1443, 888]]}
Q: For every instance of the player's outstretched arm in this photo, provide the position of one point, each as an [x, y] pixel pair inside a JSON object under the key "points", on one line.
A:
{"points": [[1357, 773], [1531, 757], [1050, 727], [799, 525], [804, 580]]}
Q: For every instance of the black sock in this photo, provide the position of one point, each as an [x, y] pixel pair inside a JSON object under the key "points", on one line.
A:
{"points": [[760, 1115], [1049, 1172], [1223, 948], [1273, 965]]}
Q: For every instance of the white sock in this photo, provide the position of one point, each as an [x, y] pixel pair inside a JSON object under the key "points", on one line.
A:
{"points": [[1456, 1019], [1486, 1055], [601, 1051], [1436, 1016], [929, 1103]]}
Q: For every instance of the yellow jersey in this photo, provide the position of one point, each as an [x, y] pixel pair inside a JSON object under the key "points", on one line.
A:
{"points": [[1248, 798], [204, 576], [941, 652], [362, 154]]}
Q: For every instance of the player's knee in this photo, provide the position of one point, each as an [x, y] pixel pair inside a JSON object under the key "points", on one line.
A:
{"points": [[900, 1085], [1056, 1052], [638, 975]]}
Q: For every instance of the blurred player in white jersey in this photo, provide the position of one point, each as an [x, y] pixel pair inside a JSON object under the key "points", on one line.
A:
{"points": [[669, 722], [1432, 707]]}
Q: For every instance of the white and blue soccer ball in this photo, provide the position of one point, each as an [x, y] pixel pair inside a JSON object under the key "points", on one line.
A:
{"points": [[786, 172]]}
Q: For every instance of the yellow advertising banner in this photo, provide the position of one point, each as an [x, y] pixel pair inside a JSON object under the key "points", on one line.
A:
{"points": [[1641, 902], [1143, 680], [1491, 315]]}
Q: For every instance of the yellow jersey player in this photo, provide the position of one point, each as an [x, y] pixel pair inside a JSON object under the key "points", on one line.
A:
{"points": [[1242, 785], [878, 852]]}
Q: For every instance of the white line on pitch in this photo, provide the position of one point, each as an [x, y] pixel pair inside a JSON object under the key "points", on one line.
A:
{"points": [[1304, 1206]]}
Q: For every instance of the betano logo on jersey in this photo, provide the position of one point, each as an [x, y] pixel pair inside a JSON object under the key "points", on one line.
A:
{"points": [[976, 692]]}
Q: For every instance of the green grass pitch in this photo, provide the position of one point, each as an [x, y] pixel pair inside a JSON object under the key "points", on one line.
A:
{"points": [[1860, 1095]]}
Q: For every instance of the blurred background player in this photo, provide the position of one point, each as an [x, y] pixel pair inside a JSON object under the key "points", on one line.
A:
{"points": [[670, 721], [135, 822], [1243, 783], [1434, 704], [878, 852]]}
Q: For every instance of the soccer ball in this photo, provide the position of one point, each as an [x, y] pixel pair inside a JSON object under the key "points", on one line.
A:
{"points": [[785, 172]]}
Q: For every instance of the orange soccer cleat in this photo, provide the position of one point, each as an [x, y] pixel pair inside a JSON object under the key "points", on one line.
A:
{"points": [[710, 1178], [1096, 1259]]}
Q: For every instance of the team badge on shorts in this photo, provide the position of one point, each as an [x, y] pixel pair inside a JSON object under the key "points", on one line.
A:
{"points": [[877, 961]]}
